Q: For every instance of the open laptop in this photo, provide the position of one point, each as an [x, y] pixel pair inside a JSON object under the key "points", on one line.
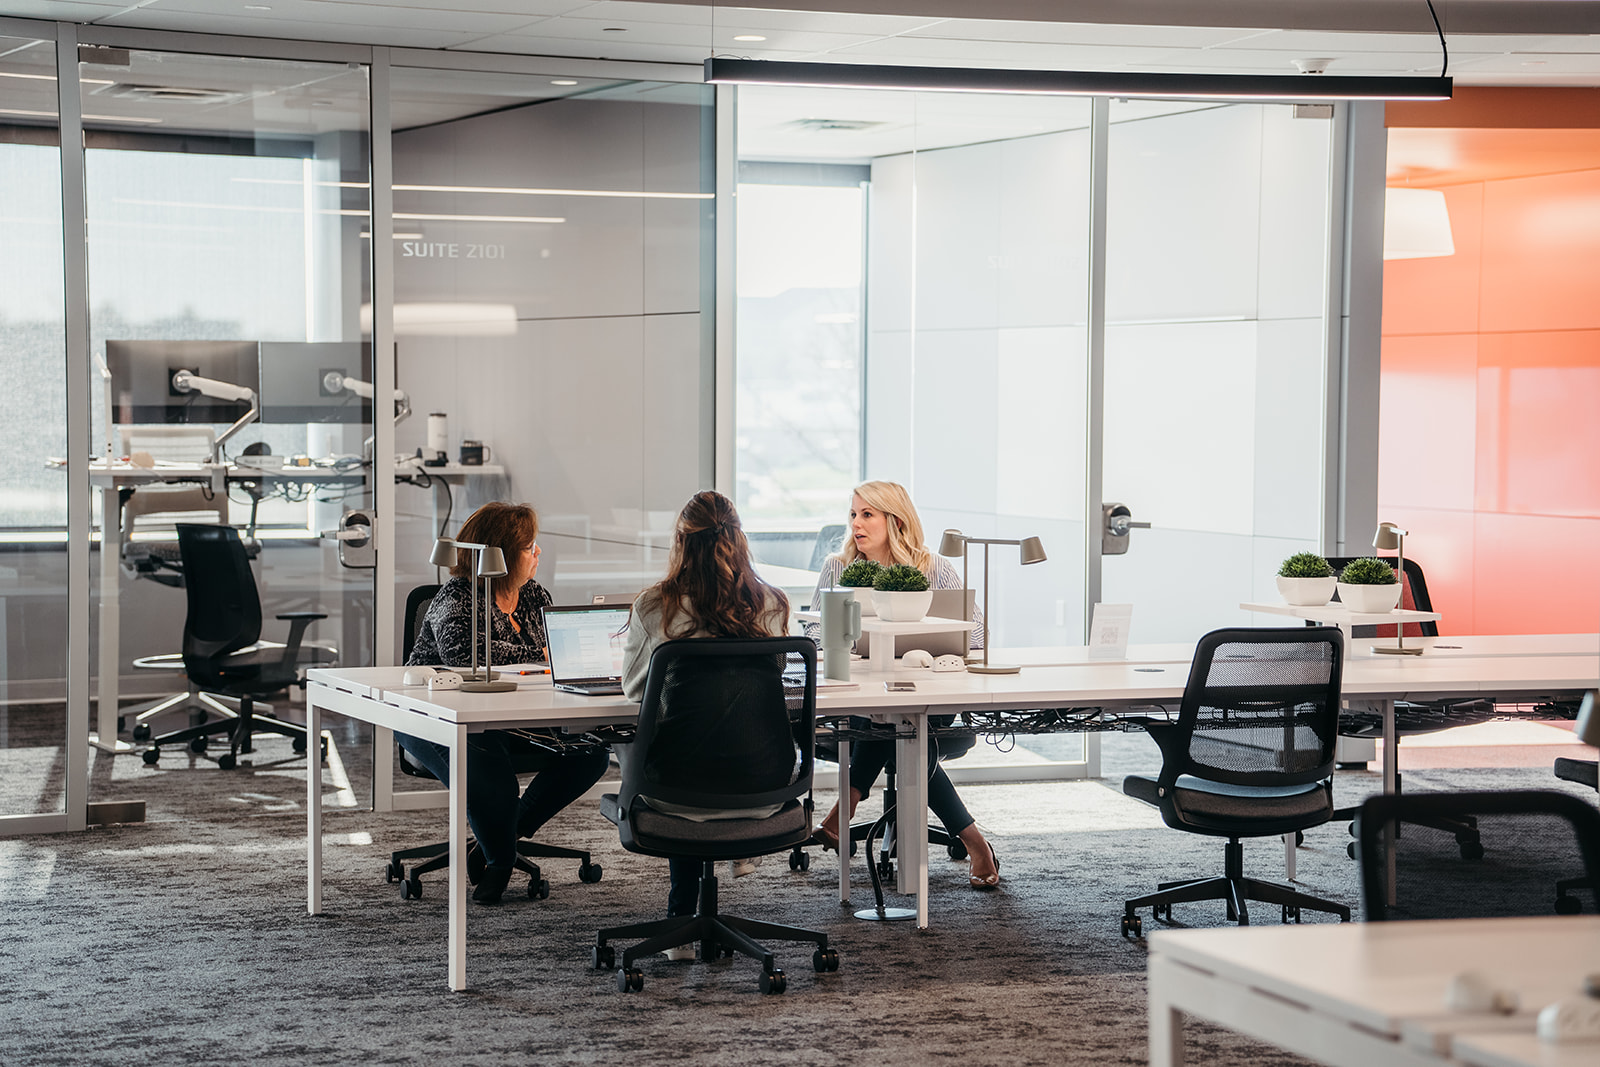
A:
{"points": [[586, 647], [947, 604]]}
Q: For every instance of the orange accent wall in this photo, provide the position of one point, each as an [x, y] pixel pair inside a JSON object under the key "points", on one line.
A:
{"points": [[1489, 438]]}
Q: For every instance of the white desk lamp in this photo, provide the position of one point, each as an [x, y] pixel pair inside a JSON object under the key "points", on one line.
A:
{"points": [[1391, 536], [953, 542], [490, 563], [185, 381]]}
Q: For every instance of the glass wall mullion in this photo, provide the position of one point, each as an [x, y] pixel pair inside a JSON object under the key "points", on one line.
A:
{"points": [[1094, 409]]}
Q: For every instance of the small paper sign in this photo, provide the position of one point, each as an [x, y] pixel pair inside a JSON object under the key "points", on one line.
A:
{"points": [[1108, 631]]}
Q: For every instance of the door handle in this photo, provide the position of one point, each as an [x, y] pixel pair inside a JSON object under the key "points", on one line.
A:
{"points": [[1117, 520]]}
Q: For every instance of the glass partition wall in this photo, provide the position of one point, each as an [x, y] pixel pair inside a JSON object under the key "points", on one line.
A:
{"points": [[33, 508], [228, 218]]}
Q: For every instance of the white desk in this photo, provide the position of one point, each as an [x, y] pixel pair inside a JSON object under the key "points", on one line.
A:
{"points": [[1332, 614], [1371, 994], [1147, 677]]}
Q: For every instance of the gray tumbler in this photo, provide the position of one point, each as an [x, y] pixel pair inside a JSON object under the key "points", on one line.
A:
{"points": [[841, 625]]}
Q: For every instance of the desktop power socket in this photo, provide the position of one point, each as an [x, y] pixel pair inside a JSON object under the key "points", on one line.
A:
{"points": [[1570, 1020]]}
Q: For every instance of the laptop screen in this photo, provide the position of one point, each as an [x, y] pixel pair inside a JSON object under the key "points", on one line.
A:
{"points": [[585, 641]]}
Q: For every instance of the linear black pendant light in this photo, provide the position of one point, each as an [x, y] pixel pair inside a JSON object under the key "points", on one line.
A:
{"points": [[1286, 87]]}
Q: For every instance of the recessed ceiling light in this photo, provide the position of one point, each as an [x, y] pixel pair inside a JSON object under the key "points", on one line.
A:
{"points": [[613, 29], [563, 81], [257, 7], [749, 37]]}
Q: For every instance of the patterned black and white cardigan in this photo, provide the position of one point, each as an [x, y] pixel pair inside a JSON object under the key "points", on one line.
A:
{"points": [[445, 636]]}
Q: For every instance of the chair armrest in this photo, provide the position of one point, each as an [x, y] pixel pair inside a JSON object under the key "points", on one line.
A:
{"points": [[298, 622]]}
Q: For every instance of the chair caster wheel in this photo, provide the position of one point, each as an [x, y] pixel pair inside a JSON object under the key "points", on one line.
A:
{"points": [[393, 872], [411, 889], [773, 981], [853, 847], [799, 860], [141, 731], [1567, 905], [589, 873], [1162, 912], [885, 871], [228, 762], [1132, 926], [1291, 914], [1299, 838], [630, 981], [1350, 850], [1471, 849], [825, 959], [957, 851], [299, 742], [151, 756], [198, 745], [603, 958], [538, 889]]}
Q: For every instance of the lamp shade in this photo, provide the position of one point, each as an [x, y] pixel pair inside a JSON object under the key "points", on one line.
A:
{"points": [[1416, 224], [1388, 536], [492, 563], [444, 553], [953, 543], [1032, 550]]}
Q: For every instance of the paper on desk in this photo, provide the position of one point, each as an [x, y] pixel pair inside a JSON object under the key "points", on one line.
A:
{"points": [[524, 673]]}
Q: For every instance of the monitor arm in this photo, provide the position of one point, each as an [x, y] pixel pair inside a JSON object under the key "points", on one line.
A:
{"points": [[186, 382]]}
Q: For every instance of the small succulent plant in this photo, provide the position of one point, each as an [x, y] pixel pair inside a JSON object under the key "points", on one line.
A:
{"points": [[1368, 571], [900, 578], [862, 574], [1305, 565]]}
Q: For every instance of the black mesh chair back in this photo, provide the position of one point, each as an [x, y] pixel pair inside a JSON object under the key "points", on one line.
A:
{"points": [[1260, 708], [224, 606], [418, 601], [1532, 840], [828, 540], [716, 731]]}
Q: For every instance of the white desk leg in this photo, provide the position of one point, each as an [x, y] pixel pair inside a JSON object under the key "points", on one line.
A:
{"points": [[1166, 1022], [1288, 856], [109, 674], [911, 817], [382, 769], [1391, 779], [313, 808], [458, 860], [844, 822]]}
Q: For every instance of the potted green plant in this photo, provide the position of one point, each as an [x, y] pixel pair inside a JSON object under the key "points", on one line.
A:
{"points": [[1369, 585], [1305, 579], [859, 577], [901, 594]]}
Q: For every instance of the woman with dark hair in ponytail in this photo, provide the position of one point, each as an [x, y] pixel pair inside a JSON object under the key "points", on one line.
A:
{"points": [[711, 590]]}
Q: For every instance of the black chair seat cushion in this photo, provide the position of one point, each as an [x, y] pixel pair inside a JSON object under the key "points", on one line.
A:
{"points": [[1225, 809], [659, 833], [1583, 771]]}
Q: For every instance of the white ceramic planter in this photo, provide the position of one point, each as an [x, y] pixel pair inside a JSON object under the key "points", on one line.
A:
{"points": [[902, 607], [863, 595], [1369, 598], [1307, 592]]}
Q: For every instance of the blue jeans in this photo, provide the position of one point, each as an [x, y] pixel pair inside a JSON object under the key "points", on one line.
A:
{"points": [[495, 813]]}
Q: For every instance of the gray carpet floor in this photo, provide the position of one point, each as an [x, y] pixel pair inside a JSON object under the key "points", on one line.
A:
{"points": [[185, 938]]}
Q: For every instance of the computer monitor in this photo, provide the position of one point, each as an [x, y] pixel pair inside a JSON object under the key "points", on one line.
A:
{"points": [[141, 379], [302, 381]]}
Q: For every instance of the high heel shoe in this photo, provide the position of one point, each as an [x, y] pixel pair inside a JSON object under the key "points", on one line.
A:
{"points": [[827, 839], [987, 882]]}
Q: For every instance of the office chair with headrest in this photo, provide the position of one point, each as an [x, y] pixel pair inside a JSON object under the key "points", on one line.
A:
{"points": [[436, 855], [716, 731], [1250, 755], [1413, 719], [222, 650], [1537, 835]]}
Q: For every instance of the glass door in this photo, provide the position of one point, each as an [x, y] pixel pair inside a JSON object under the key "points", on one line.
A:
{"points": [[1216, 267], [228, 210]]}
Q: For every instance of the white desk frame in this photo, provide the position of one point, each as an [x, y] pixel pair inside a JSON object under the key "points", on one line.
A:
{"points": [[1371, 994]]}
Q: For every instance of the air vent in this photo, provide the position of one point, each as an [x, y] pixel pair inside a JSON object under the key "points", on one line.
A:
{"points": [[831, 125], [175, 93]]}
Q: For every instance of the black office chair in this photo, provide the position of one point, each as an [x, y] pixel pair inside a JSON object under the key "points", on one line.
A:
{"points": [[1584, 772], [1413, 719], [1250, 755], [715, 731], [222, 650], [1537, 835], [829, 538], [436, 855]]}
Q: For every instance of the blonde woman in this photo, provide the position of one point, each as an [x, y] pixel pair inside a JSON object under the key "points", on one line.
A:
{"points": [[884, 528]]}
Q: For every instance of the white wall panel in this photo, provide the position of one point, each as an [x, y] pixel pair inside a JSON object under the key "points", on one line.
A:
{"points": [[1044, 229], [956, 415], [1288, 431], [1294, 214], [1039, 455]]}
